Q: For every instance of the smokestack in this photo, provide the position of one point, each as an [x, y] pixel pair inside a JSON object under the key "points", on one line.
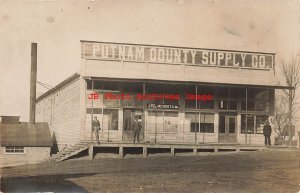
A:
{"points": [[33, 82]]}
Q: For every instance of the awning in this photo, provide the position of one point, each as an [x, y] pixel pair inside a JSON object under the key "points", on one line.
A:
{"points": [[188, 83]]}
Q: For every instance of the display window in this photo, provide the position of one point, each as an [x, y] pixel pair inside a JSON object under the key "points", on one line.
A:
{"points": [[199, 122]]}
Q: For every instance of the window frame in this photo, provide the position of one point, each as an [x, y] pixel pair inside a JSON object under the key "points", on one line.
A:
{"points": [[15, 153], [199, 130], [254, 123]]}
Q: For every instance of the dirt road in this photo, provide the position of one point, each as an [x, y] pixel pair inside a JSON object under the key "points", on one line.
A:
{"points": [[263, 171]]}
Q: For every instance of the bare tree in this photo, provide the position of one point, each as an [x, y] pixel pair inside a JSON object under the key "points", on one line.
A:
{"points": [[280, 119], [290, 73]]}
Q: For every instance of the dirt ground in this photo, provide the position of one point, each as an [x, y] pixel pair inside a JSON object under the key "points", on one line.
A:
{"points": [[262, 171]]}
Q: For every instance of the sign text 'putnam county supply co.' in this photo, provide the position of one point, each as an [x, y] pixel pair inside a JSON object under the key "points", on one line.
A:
{"points": [[175, 55]]}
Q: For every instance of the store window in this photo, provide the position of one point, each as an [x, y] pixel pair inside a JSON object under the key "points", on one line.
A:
{"points": [[203, 122], [254, 120], [111, 100], [249, 121], [205, 104], [14, 150], [250, 105], [163, 121], [203, 101], [94, 99], [257, 100], [131, 89], [228, 98], [260, 122], [110, 119], [163, 94], [206, 123], [192, 122], [190, 104], [155, 89]]}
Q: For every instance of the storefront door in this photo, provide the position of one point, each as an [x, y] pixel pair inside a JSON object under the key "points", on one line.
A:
{"points": [[227, 129], [129, 116]]}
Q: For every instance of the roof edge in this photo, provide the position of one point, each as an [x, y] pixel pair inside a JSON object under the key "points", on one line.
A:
{"points": [[186, 82], [58, 86], [211, 49]]}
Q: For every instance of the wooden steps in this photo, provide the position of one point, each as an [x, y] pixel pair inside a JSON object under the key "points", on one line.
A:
{"points": [[71, 151]]}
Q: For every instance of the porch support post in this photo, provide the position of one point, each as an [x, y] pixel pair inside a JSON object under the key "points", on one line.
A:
{"points": [[246, 129], [145, 153], [121, 152], [195, 151], [91, 152], [172, 151]]}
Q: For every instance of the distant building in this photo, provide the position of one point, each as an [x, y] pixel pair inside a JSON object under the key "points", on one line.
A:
{"points": [[181, 95], [23, 143]]}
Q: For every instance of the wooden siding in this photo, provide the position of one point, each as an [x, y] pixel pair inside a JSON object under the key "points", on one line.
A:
{"points": [[61, 109]]}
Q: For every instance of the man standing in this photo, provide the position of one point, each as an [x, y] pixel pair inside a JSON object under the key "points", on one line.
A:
{"points": [[96, 128], [136, 129], [267, 130]]}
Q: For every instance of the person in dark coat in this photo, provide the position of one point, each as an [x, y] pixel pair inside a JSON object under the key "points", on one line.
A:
{"points": [[136, 129], [267, 130], [96, 128]]}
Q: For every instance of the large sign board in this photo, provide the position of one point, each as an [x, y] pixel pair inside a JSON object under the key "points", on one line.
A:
{"points": [[176, 55]]}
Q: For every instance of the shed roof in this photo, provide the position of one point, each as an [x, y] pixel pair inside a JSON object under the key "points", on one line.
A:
{"points": [[25, 134], [60, 85]]}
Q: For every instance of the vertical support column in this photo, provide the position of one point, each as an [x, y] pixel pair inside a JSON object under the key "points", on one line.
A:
{"points": [[216, 126], [120, 124], [195, 151], [246, 128], [92, 111], [172, 151], [238, 127], [91, 152], [145, 152], [145, 114], [216, 119], [120, 114], [121, 152], [216, 150], [145, 126], [181, 114], [197, 115]]}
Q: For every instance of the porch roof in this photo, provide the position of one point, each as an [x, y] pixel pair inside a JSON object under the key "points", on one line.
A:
{"points": [[189, 83]]}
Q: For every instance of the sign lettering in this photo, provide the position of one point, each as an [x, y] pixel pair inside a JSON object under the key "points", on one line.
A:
{"points": [[173, 55]]}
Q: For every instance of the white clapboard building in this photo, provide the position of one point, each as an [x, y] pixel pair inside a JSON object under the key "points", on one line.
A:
{"points": [[181, 95]]}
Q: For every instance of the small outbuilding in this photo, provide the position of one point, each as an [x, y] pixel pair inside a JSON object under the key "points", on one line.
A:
{"points": [[22, 142]]}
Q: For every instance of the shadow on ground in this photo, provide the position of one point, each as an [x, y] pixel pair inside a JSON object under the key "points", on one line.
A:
{"points": [[50, 183]]}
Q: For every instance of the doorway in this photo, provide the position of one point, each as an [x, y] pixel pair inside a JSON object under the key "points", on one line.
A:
{"points": [[129, 116], [227, 129]]}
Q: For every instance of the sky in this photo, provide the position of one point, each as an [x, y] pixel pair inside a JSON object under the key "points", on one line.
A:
{"points": [[58, 27]]}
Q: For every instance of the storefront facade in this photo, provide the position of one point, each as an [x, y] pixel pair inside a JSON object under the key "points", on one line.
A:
{"points": [[180, 95]]}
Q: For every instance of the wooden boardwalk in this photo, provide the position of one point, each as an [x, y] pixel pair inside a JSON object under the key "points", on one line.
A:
{"points": [[194, 149]]}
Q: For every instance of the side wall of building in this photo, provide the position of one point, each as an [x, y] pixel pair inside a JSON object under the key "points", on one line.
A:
{"points": [[31, 155], [61, 109]]}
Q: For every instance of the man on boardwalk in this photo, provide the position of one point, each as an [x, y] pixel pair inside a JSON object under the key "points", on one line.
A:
{"points": [[96, 128], [267, 130], [136, 129]]}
